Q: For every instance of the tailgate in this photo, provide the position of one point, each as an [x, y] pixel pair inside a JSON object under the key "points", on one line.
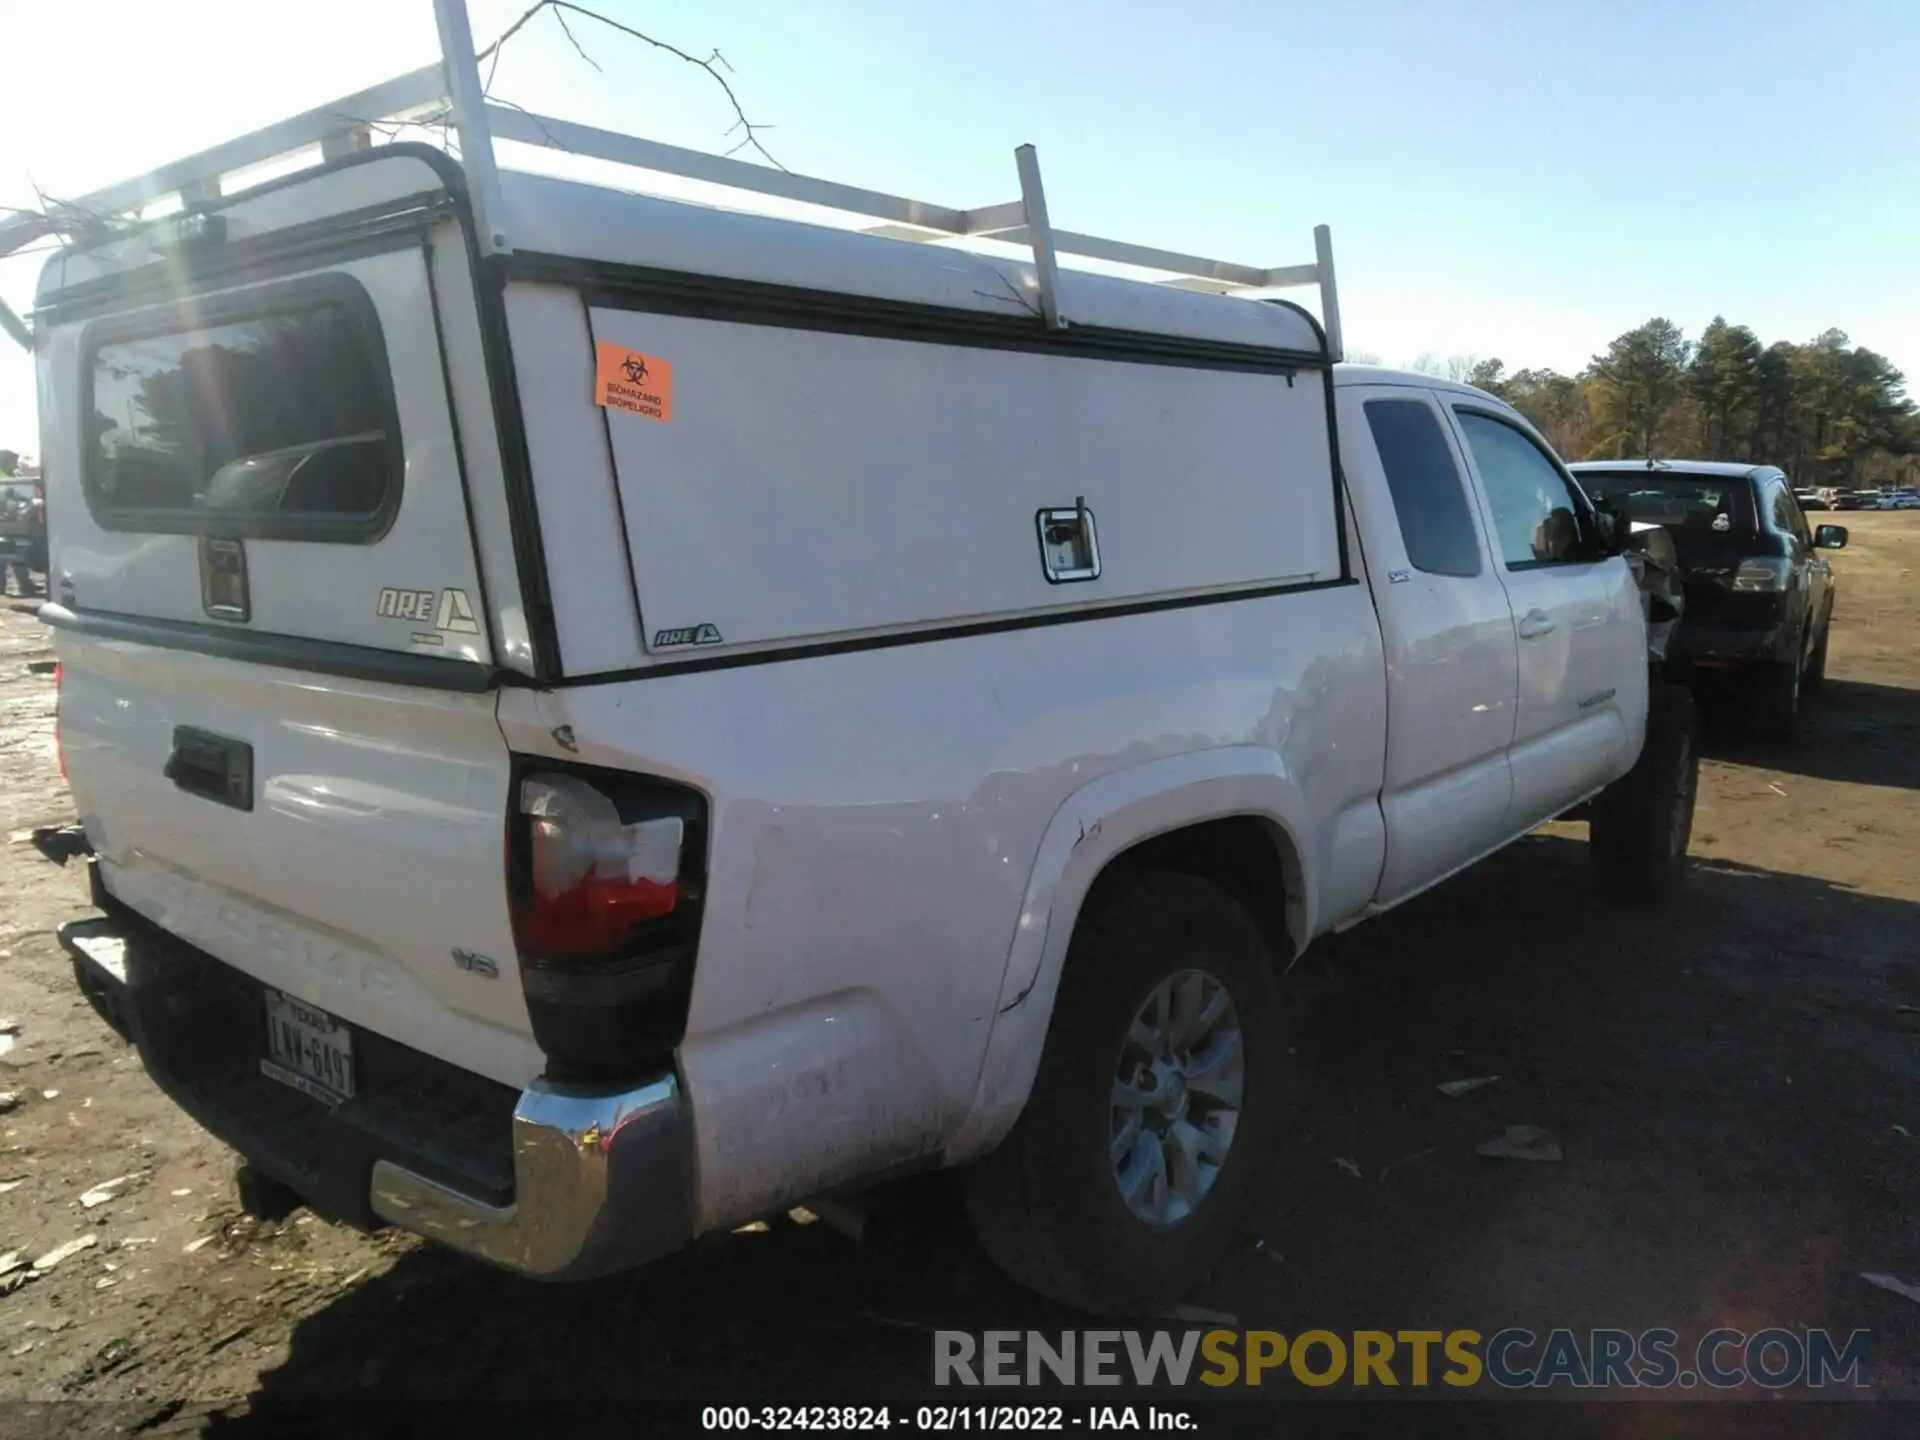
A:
{"points": [[338, 839]]}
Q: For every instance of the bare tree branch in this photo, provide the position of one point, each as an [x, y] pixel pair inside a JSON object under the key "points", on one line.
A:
{"points": [[552, 141], [567, 30], [70, 217], [713, 64], [512, 30]]}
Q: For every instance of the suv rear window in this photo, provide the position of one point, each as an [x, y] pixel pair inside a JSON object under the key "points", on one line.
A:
{"points": [[265, 414], [1692, 508]]}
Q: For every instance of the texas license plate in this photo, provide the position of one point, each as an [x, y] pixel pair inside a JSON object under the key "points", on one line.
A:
{"points": [[308, 1049]]}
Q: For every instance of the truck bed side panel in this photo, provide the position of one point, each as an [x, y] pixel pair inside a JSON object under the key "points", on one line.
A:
{"points": [[875, 818]]}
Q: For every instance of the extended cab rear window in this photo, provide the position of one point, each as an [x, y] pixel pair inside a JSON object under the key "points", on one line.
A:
{"points": [[1429, 498], [267, 413]]}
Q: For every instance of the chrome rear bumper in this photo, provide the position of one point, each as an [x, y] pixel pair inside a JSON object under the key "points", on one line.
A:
{"points": [[602, 1177], [603, 1182]]}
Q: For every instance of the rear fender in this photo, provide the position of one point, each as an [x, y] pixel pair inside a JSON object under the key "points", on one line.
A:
{"points": [[1094, 825]]}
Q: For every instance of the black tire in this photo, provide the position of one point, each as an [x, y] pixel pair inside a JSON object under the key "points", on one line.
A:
{"points": [[1815, 679], [1046, 1204], [1777, 713], [1643, 822]]}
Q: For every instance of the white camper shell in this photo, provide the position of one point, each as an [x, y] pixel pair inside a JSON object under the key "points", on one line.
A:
{"points": [[594, 716], [897, 391]]}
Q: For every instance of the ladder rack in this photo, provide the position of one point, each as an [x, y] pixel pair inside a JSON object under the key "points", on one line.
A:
{"points": [[451, 92]]}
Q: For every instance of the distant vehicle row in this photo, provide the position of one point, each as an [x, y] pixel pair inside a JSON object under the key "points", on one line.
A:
{"points": [[1829, 498]]}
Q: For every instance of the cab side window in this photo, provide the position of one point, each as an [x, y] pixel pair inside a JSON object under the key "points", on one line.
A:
{"points": [[1429, 497], [1536, 517]]}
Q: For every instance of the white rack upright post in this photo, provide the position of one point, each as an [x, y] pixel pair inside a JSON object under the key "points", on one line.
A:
{"points": [[469, 106], [1033, 201], [1329, 295]]}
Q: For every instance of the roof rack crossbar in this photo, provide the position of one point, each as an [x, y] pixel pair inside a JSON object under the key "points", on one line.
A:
{"points": [[404, 96], [919, 220], [451, 88], [572, 138]]}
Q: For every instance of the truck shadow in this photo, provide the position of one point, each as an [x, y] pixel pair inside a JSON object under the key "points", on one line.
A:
{"points": [[1722, 1075], [1853, 732]]}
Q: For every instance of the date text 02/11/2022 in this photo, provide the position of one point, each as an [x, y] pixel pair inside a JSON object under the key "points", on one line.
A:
{"points": [[940, 1419]]}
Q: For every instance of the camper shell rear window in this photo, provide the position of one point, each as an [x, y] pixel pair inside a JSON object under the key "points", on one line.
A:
{"points": [[265, 413]]}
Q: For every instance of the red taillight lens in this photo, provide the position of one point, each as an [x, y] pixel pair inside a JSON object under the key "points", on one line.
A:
{"points": [[607, 879], [595, 878], [59, 743], [593, 918]]}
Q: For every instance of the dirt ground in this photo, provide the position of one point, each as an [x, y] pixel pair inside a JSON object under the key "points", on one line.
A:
{"points": [[1733, 1081]]}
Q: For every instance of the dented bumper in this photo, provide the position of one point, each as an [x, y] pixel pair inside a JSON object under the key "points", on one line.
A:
{"points": [[602, 1182]]}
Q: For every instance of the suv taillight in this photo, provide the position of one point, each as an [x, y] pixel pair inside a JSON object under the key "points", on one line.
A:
{"points": [[1764, 573], [606, 877]]}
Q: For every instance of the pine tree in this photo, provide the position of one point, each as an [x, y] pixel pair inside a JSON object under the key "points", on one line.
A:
{"points": [[1724, 380], [1637, 383]]}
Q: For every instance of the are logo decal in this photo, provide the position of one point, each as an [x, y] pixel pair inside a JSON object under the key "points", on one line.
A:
{"points": [[686, 635], [448, 610], [405, 604]]}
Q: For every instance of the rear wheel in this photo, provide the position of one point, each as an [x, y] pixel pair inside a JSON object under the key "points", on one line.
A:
{"points": [[1643, 822], [1151, 1121], [1816, 676], [1781, 685]]}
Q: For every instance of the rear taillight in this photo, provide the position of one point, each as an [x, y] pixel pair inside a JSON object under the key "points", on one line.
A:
{"points": [[606, 876], [594, 878], [59, 740], [1766, 573]]}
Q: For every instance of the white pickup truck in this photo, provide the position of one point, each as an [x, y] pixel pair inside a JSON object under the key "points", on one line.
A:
{"points": [[595, 717]]}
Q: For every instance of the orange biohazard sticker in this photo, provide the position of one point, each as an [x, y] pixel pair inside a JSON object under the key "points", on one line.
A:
{"points": [[626, 379]]}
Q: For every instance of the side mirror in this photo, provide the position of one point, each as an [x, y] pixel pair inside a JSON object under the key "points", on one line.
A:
{"points": [[1615, 527], [1830, 537]]}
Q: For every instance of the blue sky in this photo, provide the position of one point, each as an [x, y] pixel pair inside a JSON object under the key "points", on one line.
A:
{"points": [[1520, 180]]}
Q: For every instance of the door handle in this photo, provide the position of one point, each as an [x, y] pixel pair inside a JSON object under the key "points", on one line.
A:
{"points": [[1534, 624], [213, 767]]}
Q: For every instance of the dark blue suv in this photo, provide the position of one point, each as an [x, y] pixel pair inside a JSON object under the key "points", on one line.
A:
{"points": [[1759, 595]]}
